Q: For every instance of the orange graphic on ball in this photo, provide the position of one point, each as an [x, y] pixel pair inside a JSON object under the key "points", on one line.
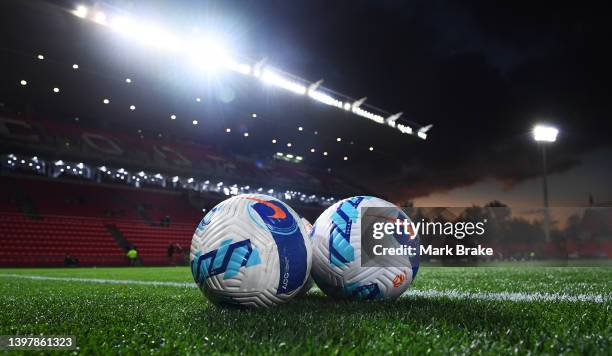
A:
{"points": [[278, 212], [398, 280]]}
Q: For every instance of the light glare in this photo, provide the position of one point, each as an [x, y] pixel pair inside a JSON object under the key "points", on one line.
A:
{"points": [[543, 133], [100, 18], [80, 11]]}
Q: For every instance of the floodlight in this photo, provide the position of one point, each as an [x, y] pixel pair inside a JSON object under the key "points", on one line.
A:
{"points": [[393, 118], [80, 11], [368, 115], [403, 128], [23, 82], [327, 99], [273, 78], [543, 133]]}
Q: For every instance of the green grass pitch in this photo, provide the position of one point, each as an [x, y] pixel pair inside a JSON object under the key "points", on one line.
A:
{"points": [[141, 318]]}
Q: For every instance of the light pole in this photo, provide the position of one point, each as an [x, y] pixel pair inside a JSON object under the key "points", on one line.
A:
{"points": [[545, 135]]}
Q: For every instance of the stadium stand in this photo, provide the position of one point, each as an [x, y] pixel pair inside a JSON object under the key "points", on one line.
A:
{"points": [[49, 241], [55, 219], [45, 220]]}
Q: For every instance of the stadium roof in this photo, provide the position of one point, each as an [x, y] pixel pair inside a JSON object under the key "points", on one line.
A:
{"points": [[73, 68]]}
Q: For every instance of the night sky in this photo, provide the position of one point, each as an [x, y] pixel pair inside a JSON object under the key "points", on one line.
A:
{"points": [[483, 73]]}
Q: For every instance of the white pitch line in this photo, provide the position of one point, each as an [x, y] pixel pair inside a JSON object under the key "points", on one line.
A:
{"points": [[447, 294], [101, 281]]}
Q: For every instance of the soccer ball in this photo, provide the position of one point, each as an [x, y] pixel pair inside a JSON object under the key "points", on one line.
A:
{"points": [[250, 250], [337, 259]]}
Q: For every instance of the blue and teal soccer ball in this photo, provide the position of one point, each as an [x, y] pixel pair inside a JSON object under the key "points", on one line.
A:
{"points": [[251, 250], [337, 260]]}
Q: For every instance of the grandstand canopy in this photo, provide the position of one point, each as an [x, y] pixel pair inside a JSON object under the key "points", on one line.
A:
{"points": [[89, 76]]}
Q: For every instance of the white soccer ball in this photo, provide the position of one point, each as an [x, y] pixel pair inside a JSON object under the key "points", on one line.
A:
{"points": [[336, 254], [250, 250]]}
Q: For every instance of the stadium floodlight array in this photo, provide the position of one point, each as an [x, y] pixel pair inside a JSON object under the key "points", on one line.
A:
{"points": [[32, 164], [288, 157], [62, 168], [208, 54]]}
